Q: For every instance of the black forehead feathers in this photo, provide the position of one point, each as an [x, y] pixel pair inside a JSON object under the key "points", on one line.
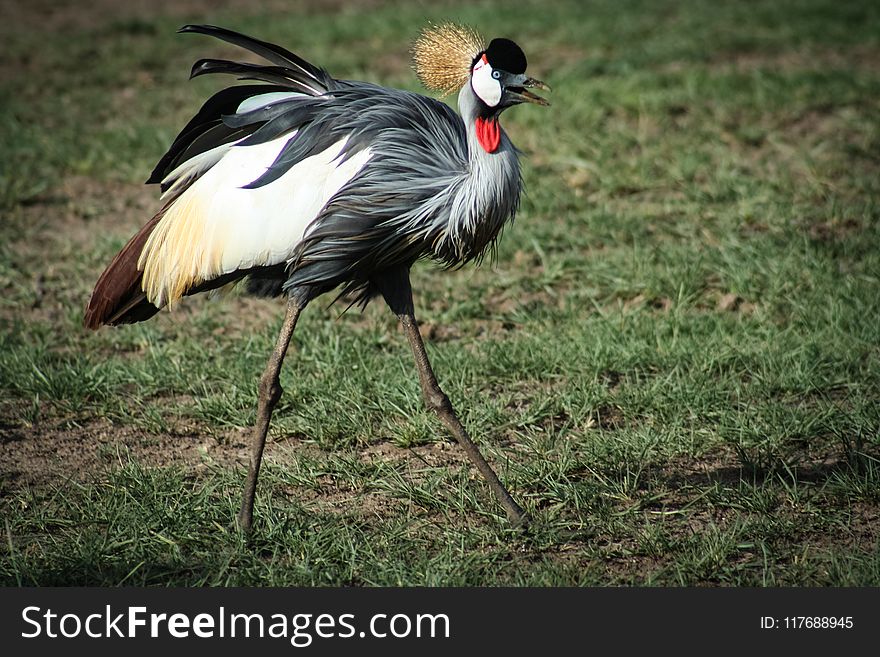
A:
{"points": [[504, 54]]}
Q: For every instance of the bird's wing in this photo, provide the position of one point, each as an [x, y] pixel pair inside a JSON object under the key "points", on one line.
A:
{"points": [[221, 213], [213, 229], [289, 77], [218, 224]]}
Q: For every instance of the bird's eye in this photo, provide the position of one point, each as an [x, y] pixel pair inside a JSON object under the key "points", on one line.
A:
{"points": [[496, 74]]}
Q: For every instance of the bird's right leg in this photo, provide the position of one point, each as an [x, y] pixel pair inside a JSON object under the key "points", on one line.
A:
{"points": [[395, 287], [438, 401], [270, 393]]}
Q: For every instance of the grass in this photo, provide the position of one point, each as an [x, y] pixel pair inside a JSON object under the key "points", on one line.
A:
{"points": [[673, 362]]}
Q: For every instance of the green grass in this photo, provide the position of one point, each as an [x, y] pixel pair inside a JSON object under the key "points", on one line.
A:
{"points": [[674, 362]]}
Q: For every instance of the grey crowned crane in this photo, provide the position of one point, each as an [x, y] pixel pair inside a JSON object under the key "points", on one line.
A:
{"points": [[303, 184]]}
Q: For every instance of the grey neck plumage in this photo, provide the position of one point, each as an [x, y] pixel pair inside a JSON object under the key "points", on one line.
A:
{"points": [[488, 195]]}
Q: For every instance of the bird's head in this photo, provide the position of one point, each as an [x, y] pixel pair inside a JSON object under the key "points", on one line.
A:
{"points": [[448, 56]]}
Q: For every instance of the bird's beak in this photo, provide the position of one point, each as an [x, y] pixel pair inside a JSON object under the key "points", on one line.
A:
{"points": [[521, 94]]}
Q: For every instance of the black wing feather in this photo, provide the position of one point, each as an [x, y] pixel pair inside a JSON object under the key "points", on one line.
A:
{"points": [[265, 113], [291, 119], [270, 51], [214, 136], [210, 127], [279, 75], [223, 102]]}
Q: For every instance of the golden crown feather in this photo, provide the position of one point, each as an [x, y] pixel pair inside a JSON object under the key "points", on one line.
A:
{"points": [[442, 56]]}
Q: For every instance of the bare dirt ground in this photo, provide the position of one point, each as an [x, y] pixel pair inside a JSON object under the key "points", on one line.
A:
{"points": [[53, 451]]}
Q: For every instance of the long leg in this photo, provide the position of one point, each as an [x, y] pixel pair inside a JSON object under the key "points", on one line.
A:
{"points": [[398, 294], [438, 402], [270, 393]]}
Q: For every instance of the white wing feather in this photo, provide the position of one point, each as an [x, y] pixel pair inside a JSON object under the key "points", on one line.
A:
{"points": [[261, 100], [216, 227]]}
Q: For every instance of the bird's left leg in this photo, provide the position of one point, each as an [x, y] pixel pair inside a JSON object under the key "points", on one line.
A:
{"points": [[270, 393], [396, 289]]}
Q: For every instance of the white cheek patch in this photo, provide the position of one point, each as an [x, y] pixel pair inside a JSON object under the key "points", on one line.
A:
{"points": [[484, 85]]}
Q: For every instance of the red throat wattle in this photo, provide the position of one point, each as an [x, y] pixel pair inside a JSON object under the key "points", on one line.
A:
{"points": [[489, 134]]}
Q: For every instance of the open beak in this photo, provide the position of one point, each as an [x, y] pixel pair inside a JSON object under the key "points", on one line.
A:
{"points": [[523, 95]]}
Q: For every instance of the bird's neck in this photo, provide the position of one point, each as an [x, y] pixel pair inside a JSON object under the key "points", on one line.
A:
{"points": [[486, 196], [485, 135]]}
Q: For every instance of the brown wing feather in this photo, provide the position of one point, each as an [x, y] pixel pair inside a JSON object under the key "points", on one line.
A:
{"points": [[118, 297]]}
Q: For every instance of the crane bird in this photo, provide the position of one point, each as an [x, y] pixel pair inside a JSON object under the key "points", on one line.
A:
{"points": [[303, 184]]}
